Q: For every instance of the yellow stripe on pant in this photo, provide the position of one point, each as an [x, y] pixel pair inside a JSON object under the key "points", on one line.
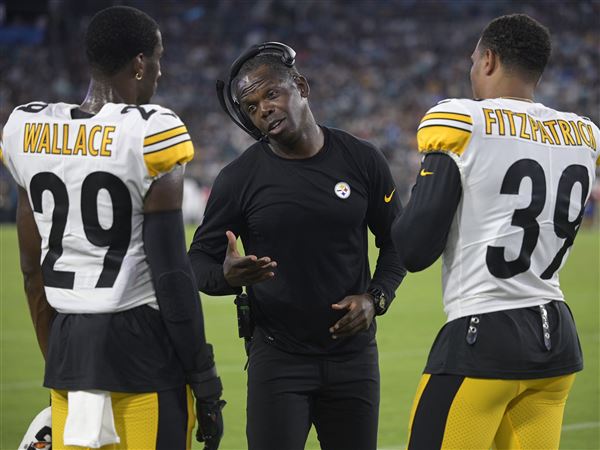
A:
{"points": [[191, 417], [136, 420], [479, 413]]}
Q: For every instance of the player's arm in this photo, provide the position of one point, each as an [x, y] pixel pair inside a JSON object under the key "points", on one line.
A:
{"points": [[420, 233], [444, 136], [164, 242], [218, 266], [30, 244]]}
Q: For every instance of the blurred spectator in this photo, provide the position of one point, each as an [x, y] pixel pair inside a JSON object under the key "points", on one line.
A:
{"points": [[375, 66], [194, 202]]}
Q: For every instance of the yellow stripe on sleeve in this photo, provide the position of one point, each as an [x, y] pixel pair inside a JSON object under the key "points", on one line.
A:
{"points": [[164, 135], [464, 118], [1, 157], [442, 138], [162, 161], [597, 159]]}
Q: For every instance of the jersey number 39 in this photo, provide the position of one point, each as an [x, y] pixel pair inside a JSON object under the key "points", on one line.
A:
{"points": [[526, 217]]}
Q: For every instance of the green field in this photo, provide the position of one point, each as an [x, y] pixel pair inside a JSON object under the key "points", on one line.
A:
{"points": [[405, 335]]}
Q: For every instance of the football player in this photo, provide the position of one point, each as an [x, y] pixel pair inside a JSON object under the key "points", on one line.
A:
{"points": [[500, 194], [103, 252]]}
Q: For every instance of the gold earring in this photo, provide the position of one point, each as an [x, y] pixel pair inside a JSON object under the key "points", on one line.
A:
{"points": [[138, 76]]}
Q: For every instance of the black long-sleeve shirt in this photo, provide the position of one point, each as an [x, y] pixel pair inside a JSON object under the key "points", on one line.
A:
{"points": [[311, 216], [421, 232]]}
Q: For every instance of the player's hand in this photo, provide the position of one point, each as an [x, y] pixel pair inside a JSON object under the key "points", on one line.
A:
{"points": [[358, 318], [245, 270], [210, 423], [207, 388]]}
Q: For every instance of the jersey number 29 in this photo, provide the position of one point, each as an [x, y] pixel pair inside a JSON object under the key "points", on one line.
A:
{"points": [[116, 238]]}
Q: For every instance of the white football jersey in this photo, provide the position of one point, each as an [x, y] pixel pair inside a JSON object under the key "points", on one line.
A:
{"points": [[526, 173], [87, 180]]}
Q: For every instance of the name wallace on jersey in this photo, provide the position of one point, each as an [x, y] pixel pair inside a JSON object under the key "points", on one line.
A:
{"points": [[57, 139]]}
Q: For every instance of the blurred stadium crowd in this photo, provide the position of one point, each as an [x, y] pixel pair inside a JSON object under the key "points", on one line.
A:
{"points": [[374, 66]]}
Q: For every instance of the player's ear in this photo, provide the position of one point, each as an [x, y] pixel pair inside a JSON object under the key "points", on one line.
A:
{"points": [[491, 61], [302, 84], [138, 66]]}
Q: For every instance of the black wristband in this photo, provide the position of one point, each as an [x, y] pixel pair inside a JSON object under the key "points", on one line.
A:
{"points": [[209, 391]]}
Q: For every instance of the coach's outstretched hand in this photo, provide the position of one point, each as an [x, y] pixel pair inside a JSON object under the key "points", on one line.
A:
{"points": [[245, 270], [210, 423]]}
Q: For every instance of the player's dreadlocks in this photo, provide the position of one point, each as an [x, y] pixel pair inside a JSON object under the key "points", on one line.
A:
{"points": [[117, 34], [522, 43]]}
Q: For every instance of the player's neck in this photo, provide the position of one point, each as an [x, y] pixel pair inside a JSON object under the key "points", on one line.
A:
{"points": [[101, 92], [512, 89]]}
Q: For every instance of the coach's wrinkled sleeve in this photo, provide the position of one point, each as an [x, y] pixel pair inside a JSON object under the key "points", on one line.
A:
{"points": [[208, 248], [384, 207]]}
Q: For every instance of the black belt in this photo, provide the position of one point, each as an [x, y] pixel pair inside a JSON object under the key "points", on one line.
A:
{"points": [[474, 324]]}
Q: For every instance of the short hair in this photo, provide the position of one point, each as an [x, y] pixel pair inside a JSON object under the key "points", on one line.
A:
{"points": [[522, 43], [117, 34], [272, 61]]}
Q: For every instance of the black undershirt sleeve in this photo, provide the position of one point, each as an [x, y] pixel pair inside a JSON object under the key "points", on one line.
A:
{"points": [[208, 248], [176, 294], [384, 207], [420, 233]]}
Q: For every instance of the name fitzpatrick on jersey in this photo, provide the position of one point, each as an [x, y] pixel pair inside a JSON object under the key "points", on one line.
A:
{"points": [[53, 139], [504, 122]]}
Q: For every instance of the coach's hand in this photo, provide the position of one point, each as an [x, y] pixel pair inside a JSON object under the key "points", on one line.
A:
{"points": [[210, 423], [358, 318], [245, 270]]}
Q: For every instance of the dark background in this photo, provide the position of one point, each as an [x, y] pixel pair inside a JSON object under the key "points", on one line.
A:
{"points": [[374, 67]]}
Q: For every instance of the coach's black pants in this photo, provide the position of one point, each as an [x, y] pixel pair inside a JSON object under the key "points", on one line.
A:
{"points": [[287, 393]]}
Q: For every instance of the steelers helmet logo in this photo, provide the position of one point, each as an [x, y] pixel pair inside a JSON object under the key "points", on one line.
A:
{"points": [[342, 190]]}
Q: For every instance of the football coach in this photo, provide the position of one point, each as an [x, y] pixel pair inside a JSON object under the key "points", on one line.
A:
{"points": [[302, 199]]}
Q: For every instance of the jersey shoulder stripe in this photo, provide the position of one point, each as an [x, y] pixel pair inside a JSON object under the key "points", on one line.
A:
{"points": [[447, 127], [163, 160], [164, 135], [167, 143], [445, 115]]}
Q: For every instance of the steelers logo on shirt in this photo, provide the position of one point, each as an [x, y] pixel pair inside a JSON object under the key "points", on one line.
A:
{"points": [[342, 190]]}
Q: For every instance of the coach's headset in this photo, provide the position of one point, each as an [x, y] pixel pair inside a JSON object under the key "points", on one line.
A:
{"points": [[230, 103]]}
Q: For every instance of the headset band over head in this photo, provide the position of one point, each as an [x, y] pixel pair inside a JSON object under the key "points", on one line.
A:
{"points": [[228, 102]]}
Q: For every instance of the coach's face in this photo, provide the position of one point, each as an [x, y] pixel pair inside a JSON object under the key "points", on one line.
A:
{"points": [[277, 105], [151, 73]]}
